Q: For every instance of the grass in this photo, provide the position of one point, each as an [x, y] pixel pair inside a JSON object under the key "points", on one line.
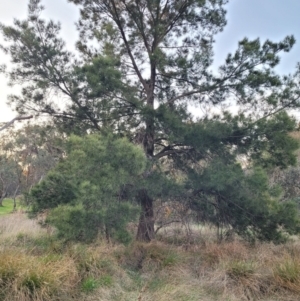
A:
{"points": [[18, 227], [287, 273], [34, 265], [8, 206]]}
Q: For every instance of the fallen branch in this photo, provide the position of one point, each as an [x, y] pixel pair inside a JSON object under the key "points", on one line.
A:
{"points": [[165, 224], [15, 119]]}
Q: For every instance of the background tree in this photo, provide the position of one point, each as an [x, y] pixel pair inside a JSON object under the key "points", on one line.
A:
{"points": [[287, 181], [34, 149], [142, 66], [10, 173]]}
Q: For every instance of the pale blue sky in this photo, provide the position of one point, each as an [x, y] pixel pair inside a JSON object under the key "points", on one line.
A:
{"points": [[272, 19], [267, 19]]}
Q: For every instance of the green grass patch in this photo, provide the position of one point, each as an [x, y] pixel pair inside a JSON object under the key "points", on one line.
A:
{"points": [[8, 206], [89, 285]]}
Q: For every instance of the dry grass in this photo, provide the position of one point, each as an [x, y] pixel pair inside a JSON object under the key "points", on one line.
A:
{"points": [[17, 224], [40, 268], [26, 277]]}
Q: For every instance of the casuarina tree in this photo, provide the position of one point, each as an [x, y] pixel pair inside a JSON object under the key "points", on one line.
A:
{"points": [[140, 68]]}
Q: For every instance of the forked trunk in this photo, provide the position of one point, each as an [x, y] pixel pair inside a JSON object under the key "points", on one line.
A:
{"points": [[146, 223]]}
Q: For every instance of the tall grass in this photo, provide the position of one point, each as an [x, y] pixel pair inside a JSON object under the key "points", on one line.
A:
{"points": [[26, 277], [34, 265], [17, 225]]}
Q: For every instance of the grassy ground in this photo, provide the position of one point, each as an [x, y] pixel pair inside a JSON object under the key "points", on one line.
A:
{"points": [[34, 265], [7, 207]]}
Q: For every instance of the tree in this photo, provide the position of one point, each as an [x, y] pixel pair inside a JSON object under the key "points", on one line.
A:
{"points": [[142, 66], [89, 188], [232, 199], [10, 173], [34, 149]]}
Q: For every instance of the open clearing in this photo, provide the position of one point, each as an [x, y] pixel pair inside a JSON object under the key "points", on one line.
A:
{"points": [[7, 207]]}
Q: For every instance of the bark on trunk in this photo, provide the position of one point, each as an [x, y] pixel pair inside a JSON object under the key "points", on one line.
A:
{"points": [[146, 223], [15, 195], [1, 199]]}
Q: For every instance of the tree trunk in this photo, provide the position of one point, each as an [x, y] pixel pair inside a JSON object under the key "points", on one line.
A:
{"points": [[2, 197], [146, 223], [15, 195]]}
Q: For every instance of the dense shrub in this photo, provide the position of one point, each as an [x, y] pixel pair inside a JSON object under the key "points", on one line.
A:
{"points": [[85, 191]]}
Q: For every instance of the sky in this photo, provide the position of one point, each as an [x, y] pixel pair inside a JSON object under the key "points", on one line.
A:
{"points": [[266, 19]]}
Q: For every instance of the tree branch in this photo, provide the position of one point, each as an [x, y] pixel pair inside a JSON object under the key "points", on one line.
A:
{"points": [[15, 119], [117, 20], [168, 151]]}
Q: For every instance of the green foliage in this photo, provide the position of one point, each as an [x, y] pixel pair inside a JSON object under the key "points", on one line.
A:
{"points": [[142, 89], [116, 219], [51, 192], [75, 223], [104, 162], [84, 191], [273, 146], [101, 76], [230, 197]]}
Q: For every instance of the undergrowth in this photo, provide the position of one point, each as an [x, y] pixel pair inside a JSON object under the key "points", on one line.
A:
{"points": [[35, 265]]}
